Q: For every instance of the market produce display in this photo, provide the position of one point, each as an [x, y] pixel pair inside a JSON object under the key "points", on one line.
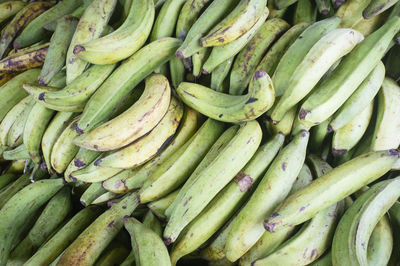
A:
{"points": [[200, 132]]}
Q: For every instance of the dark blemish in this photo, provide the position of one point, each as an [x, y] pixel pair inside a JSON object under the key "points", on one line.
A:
{"points": [[78, 49], [281, 133], [220, 115], [244, 181], [205, 72], [259, 74], [251, 100], [72, 178], [166, 142], [79, 163], [220, 39], [83, 203], [338, 152], [394, 152], [227, 28], [302, 209], [98, 162], [274, 215], [96, 147], [167, 241], [314, 253], [304, 133], [191, 234], [41, 96], [41, 81], [269, 227], [188, 93], [305, 253], [330, 129], [325, 12], [124, 207], [126, 218], [179, 54], [303, 113], [77, 129], [111, 224], [43, 166], [186, 202], [300, 37], [284, 166], [185, 212]]}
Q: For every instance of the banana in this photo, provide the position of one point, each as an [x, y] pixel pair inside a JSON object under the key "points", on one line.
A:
{"points": [[115, 254], [305, 12], [139, 119], [6, 179], [360, 99], [83, 158], [141, 151], [323, 54], [350, 13], [219, 74], [324, 6], [176, 169], [88, 246], [90, 26], [350, 134], [166, 20], [282, 4], [152, 222], [285, 125], [250, 56], [9, 9], [159, 206], [241, 19], [19, 22], [64, 149], [59, 42], [105, 198], [391, 63], [394, 213], [53, 131], [221, 53], [16, 166], [230, 108], [123, 79], [330, 94], [53, 214], [368, 26], [4, 77], [376, 7], [274, 12], [73, 97], [298, 50], [324, 260], [387, 124], [238, 152], [93, 173], [215, 12], [20, 207], [124, 41], [91, 193], [226, 202], [147, 246], [330, 188], [177, 71], [247, 227], [198, 60], [132, 179], [380, 244]]}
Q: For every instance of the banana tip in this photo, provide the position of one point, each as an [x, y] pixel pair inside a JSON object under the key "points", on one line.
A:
{"points": [[168, 241], [324, 12], [338, 152], [78, 49], [394, 152], [43, 166], [42, 81], [179, 54], [83, 203], [329, 129], [205, 72], [259, 74], [269, 227], [16, 45]]}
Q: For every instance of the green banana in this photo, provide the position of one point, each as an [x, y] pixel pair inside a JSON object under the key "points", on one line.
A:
{"points": [[330, 188], [20, 207], [7, 179], [241, 19], [152, 222], [387, 122], [159, 206], [114, 254], [305, 12], [285, 125], [198, 60], [9, 9], [323, 54], [392, 61], [226, 202], [247, 227], [123, 79], [376, 7], [147, 246], [124, 41], [91, 193], [92, 173], [360, 99], [230, 108], [238, 152], [324, 260], [105, 198], [177, 71], [281, 4], [90, 26], [88, 246], [221, 53], [251, 55], [318, 136], [324, 6], [331, 93], [368, 26], [81, 160], [219, 74], [274, 12], [380, 244], [350, 12]]}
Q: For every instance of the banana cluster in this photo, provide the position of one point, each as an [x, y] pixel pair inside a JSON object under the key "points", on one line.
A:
{"points": [[206, 132]]}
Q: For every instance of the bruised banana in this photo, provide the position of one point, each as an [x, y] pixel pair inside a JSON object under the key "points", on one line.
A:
{"points": [[124, 41], [230, 108], [83, 158], [375, 7]]}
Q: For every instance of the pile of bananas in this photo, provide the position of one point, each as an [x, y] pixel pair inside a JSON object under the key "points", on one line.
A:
{"points": [[200, 132]]}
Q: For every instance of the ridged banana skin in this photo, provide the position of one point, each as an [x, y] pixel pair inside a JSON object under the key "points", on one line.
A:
{"points": [[205, 187], [20, 20], [20, 207], [89, 245], [214, 13], [322, 55], [330, 188], [144, 149], [238, 22], [388, 122], [118, 85], [83, 158], [350, 12], [376, 7], [135, 122], [9, 9], [271, 59], [230, 108], [380, 244], [124, 41], [269, 242], [105, 198], [219, 74], [147, 246], [360, 99], [178, 167], [221, 53], [159, 206], [305, 12], [298, 50], [249, 57], [90, 26], [76, 93], [133, 179], [330, 94], [227, 201], [59, 42], [247, 227]]}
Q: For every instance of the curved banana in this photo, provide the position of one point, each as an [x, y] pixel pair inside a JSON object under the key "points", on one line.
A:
{"points": [[238, 152], [330, 94], [230, 108], [380, 244], [324, 7], [219, 74], [115, 254], [298, 50], [239, 21], [275, 185], [83, 158], [360, 99], [91, 193], [388, 121], [305, 12], [124, 41], [166, 20], [221, 53], [20, 207], [250, 56], [159, 206], [10, 8], [330, 188], [92, 173], [322, 55], [375, 7], [198, 60], [135, 122], [285, 125], [19, 153]]}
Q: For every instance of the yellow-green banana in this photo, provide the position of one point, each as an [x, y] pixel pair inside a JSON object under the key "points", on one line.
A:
{"points": [[219, 74], [10, 8], [159, 206], [375, 7]]}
